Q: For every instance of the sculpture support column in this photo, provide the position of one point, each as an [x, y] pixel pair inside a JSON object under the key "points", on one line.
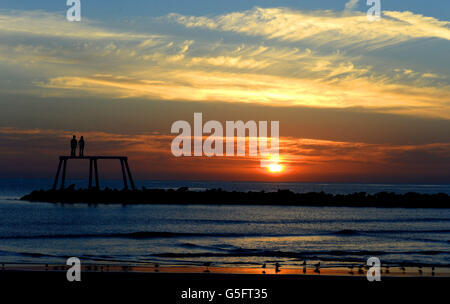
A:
{"points": [[97, 184], [64, 174], [90, 173], [124, 176], [129, 174], [55, 183]]}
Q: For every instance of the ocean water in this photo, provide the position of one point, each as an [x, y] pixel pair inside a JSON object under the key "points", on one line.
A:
{"points": [[224, 235]]}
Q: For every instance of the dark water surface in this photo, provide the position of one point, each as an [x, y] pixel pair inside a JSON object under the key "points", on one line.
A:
{"points": [[236, 235]]}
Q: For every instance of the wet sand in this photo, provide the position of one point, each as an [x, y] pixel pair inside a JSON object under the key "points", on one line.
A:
{"points": [[393, 271], [167, 283]]}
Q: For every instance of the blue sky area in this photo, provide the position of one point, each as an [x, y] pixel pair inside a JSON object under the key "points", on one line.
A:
{"points": [[106, 9]]}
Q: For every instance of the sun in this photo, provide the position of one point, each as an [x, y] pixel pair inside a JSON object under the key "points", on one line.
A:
{"points": [[275, 168]]}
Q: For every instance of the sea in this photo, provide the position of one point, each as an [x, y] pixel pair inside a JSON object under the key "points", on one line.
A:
{"points": [[238, 235]]}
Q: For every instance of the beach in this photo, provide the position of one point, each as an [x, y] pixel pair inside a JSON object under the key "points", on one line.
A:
{"points": [[165, 249], [172, 287]]}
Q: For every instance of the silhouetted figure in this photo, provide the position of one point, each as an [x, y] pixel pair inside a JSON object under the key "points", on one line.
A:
{"points": [[73, 146], [81, 145]]}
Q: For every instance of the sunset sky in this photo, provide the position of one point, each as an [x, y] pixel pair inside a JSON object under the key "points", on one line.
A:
{"points": [[357, 101]]}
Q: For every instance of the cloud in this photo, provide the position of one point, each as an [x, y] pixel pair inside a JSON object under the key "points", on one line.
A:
{"points": [[44, 24], [150, 156], [323, 27], [350, 5], [292, 65]]}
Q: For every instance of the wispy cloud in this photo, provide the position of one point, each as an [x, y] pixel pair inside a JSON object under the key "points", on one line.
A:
{"points": [[351, 4], [321, 160], [324, 27], [44, 24], [292, 64]]}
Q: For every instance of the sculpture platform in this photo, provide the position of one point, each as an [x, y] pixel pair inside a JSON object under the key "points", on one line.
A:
{"points": [[93, 167]]}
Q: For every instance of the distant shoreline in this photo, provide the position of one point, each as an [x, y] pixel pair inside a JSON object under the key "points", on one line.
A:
{"points": [[184, 196]]}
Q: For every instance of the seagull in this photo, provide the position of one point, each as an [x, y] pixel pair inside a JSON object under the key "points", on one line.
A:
{"points": [[360, 271], [277, 267], [317, 270], [351, 269], [207, 264]]}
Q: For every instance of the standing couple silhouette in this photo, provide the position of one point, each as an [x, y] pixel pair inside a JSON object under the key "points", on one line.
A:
{"points": [[73, 146]]}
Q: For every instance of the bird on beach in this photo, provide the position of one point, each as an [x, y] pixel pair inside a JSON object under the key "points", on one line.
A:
{"points": [[317, 270], [156, 266], [304, 270], [403, 269], [207, 264], [420, 270], [360, 270], [304, 264], [277, 267], [351, 269], [263, 266]]}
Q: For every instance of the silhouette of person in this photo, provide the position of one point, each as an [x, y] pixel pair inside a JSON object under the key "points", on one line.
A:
{"points": [[81, 145], [73, 146]]}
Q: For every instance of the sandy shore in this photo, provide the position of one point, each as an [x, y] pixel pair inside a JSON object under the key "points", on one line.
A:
{"points": [[168, 283], [396, 272]]}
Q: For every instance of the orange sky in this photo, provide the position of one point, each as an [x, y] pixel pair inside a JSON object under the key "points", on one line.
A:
{"points": [[357, 101]]}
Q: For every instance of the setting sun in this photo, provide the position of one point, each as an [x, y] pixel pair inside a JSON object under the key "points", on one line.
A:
{"points": [[275, 168]]}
